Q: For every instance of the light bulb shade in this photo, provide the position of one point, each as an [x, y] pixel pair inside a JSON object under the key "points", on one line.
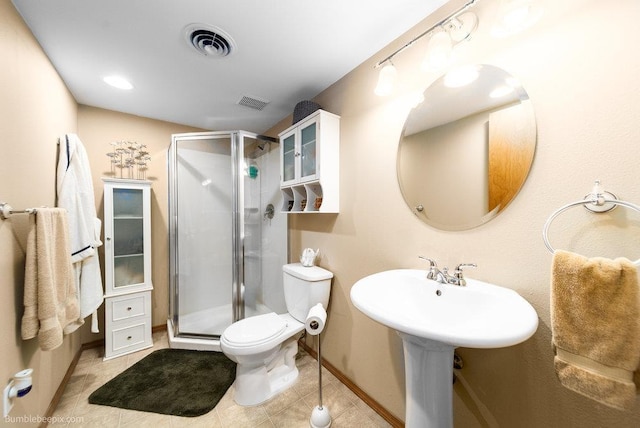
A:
{"points": [[386, 80], [438, 52]]}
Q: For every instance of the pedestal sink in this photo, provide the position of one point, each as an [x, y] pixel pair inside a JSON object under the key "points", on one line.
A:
{"points": [[433, 319]]}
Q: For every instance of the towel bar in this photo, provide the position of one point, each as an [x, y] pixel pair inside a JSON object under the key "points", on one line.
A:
{"points": [[7, 211], [596, 202]]}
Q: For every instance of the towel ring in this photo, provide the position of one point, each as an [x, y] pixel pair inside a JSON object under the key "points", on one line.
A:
{"points": [[598, 199]]}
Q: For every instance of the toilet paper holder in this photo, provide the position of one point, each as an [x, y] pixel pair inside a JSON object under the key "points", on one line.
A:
{"points": [[316, 318], [314, 324]]}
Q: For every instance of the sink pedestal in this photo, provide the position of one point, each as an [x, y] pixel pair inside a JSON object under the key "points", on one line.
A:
{"points": [[429, 382], [433, 319]]}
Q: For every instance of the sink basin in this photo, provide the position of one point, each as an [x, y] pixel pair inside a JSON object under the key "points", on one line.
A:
{"points": [[479, 315], [433, 319]]}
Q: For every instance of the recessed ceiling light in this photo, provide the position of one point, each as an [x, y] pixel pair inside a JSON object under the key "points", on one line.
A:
{"points": [[118, 82]]}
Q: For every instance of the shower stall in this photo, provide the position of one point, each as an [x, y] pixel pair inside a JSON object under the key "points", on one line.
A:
{"points": [[227, 238]]}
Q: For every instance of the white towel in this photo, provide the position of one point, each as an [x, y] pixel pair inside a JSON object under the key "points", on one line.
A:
{"points": [[50, 295], [75, 194]]}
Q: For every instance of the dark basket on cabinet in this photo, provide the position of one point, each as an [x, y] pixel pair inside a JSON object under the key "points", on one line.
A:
{"points": [[304, 109]]}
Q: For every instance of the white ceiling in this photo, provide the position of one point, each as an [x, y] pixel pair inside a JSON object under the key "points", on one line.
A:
{"points": [[287, 51]]}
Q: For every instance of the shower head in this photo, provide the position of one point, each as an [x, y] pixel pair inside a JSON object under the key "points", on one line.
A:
{"points": [[261, 148], [261, 145]]}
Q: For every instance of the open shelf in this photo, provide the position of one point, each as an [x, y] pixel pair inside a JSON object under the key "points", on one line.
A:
{"points": [[308, 198]]}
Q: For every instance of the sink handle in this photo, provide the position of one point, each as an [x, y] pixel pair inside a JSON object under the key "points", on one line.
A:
{"points": [[457, 274], [433, 267], [432, 263]]}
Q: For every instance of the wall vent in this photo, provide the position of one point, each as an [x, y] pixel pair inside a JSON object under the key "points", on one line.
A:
{"points": [[252, 102], [209, 40]]}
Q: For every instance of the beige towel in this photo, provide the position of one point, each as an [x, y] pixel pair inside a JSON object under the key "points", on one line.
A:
{"points": [[50, 296], [595, 322]]}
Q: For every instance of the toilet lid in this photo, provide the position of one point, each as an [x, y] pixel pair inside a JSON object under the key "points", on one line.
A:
{"points": [[255, 330]]}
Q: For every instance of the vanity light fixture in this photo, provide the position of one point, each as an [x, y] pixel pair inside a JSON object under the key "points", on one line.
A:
{"points": [[386, 80], [454, 31], [438, 52], [515, 16], [455, 28], [118, 82]]}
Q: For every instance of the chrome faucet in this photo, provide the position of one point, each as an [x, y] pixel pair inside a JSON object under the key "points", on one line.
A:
{"points": [[433, 272], [443, 277], [457, 278]]}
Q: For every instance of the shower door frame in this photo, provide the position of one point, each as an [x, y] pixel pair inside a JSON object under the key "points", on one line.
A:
{"points": [[238, 234]]}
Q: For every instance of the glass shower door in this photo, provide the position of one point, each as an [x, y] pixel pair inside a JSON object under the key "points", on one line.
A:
{"points": [[225, 251], [205, 239]]}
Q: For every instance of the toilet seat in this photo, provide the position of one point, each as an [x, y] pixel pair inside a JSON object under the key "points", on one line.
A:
{"points": [[254, 331]]}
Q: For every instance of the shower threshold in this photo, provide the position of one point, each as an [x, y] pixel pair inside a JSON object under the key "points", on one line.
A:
{"points": [[206, 321], [192, 343]]}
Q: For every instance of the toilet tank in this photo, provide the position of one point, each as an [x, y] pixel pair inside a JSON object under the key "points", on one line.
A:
{"points": [[305, 287]]}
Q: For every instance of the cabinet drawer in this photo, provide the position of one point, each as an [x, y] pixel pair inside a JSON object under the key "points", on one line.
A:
{"points": [[128, 336], [128, 307]]}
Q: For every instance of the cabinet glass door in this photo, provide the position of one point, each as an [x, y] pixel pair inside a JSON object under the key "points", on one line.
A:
{"points": [[288, 157], [128, 237], [308, 151]]}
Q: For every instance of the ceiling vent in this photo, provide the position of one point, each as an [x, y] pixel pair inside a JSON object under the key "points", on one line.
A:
{"points": [[252, 102], [209, 40]]}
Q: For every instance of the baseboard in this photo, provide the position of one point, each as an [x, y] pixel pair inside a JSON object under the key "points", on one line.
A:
{"points": [[377, 407], [157, 328], [63, 384]]}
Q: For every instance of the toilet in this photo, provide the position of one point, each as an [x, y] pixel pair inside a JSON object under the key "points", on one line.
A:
{"points": [[265, 346]]}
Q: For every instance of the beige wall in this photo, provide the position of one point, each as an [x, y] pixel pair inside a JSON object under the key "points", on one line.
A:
{"points": [[581, 71], [97, 128], [35, 107]]}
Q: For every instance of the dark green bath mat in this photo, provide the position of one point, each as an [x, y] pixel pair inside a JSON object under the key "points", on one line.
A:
{"points": [[170, 381]]}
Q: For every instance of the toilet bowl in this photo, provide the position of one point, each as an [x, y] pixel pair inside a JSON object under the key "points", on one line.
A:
{"points": [[265, 346]]}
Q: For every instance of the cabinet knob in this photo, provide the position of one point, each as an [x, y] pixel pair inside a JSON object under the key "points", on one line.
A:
{"points": [[108, 239], [297, 154], [129, 308], [128, 337]]}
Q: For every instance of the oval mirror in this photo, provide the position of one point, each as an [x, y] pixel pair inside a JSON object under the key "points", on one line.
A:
{"points": [[466, 150]]}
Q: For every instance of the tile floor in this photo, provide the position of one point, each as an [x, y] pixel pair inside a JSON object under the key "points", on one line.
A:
{"points": [[290, 409]]}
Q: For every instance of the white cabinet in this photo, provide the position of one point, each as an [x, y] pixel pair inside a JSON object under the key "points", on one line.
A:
{"points": [[127, 248], [310, 167]]}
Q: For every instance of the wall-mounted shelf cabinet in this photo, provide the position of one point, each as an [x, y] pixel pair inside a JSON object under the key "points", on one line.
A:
{"points": [[310, 165], [127, 248]]}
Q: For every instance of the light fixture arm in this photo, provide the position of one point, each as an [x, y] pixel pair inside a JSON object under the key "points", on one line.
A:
{"points": [[439, 24]]}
